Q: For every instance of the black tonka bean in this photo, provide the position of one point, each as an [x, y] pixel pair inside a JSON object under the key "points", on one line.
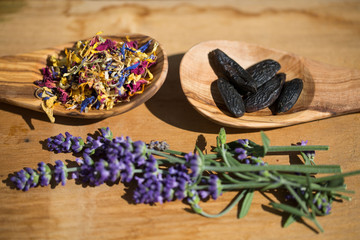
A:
{"points": [[266, 94], [263, 71], [226, 67], [231, 97], [289, 95]]}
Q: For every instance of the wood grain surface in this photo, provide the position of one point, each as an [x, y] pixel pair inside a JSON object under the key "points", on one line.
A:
{"points": [[325, 31]]}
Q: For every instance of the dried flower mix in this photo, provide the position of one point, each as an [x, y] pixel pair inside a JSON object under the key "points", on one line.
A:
{"points": [[96, 74]]}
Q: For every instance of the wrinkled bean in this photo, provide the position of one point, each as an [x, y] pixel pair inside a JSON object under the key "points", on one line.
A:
{"points": [[231, 97], [266, 94]]}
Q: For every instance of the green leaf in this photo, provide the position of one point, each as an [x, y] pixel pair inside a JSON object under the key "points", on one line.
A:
{"points": [[231, 160], [271, 186], [258, 151], [306, 159], [291, 219], [266, 142], [199, 152], [337, 182], [246, 203], [289, 209]]}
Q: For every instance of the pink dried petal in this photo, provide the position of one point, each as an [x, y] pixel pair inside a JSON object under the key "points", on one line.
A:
{"points": [[140, 69], [137, 86], [132, 44], [108, 44], [63, 95], [94, 40]]}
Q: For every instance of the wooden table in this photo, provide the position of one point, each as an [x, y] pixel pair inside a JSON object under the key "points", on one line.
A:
{"points": [[327, 31]]}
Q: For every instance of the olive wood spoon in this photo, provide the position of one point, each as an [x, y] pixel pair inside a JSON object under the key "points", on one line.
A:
{"points": [[18, 73], [328, 90]]}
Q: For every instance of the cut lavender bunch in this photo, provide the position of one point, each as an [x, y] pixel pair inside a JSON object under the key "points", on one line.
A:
{"points": [[160, 174]]}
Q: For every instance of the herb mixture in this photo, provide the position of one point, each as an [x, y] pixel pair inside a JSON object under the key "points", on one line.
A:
{"points": [[97, 73], [161, 174]]}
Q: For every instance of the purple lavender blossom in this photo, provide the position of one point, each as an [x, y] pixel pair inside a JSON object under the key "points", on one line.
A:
{"points": [[114, 170], [54, 144], [148, 189], [139, 152], [101, 172], [106, 133], [127, 170], [244, 142], [241, 154], [322, 203], [60, 172], [169, 183], [193, 199], [86, 171], [77, 144], [44, 174], [25, 179], [214, 186], [166, 186], [328, 209], [195, 164], [20, 180], [93, 144], [65, 144], [118, 156], [183, 179], [151, 166]]}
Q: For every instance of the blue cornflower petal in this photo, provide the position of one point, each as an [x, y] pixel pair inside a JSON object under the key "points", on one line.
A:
{"points": [[131, 67], [145, 46], [87, 102]]}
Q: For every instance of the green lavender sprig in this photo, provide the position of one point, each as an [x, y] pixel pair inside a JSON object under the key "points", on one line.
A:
{"points": [[307, 197]]}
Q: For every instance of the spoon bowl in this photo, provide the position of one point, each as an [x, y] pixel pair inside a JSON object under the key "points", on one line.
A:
{"points": [[18, 73], [328, 90]]}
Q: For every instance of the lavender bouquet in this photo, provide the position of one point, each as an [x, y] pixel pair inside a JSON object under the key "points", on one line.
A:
{"points": [[160, 174]]}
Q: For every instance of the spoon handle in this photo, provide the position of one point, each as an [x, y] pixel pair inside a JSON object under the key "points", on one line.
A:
{"points": [[17, 76], [334, 90]]}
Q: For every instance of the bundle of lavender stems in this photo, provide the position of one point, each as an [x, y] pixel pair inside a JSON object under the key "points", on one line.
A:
{"points": [[160, 174]]}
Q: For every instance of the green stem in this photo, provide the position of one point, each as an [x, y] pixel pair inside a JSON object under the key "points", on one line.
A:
{"points": [[168, 157], [297, 148], [237, 186], [73, 169], [175, 152], [227, 209], [223, 155], [211, 156], [297, 198], [280, 168], [341, 175]]}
